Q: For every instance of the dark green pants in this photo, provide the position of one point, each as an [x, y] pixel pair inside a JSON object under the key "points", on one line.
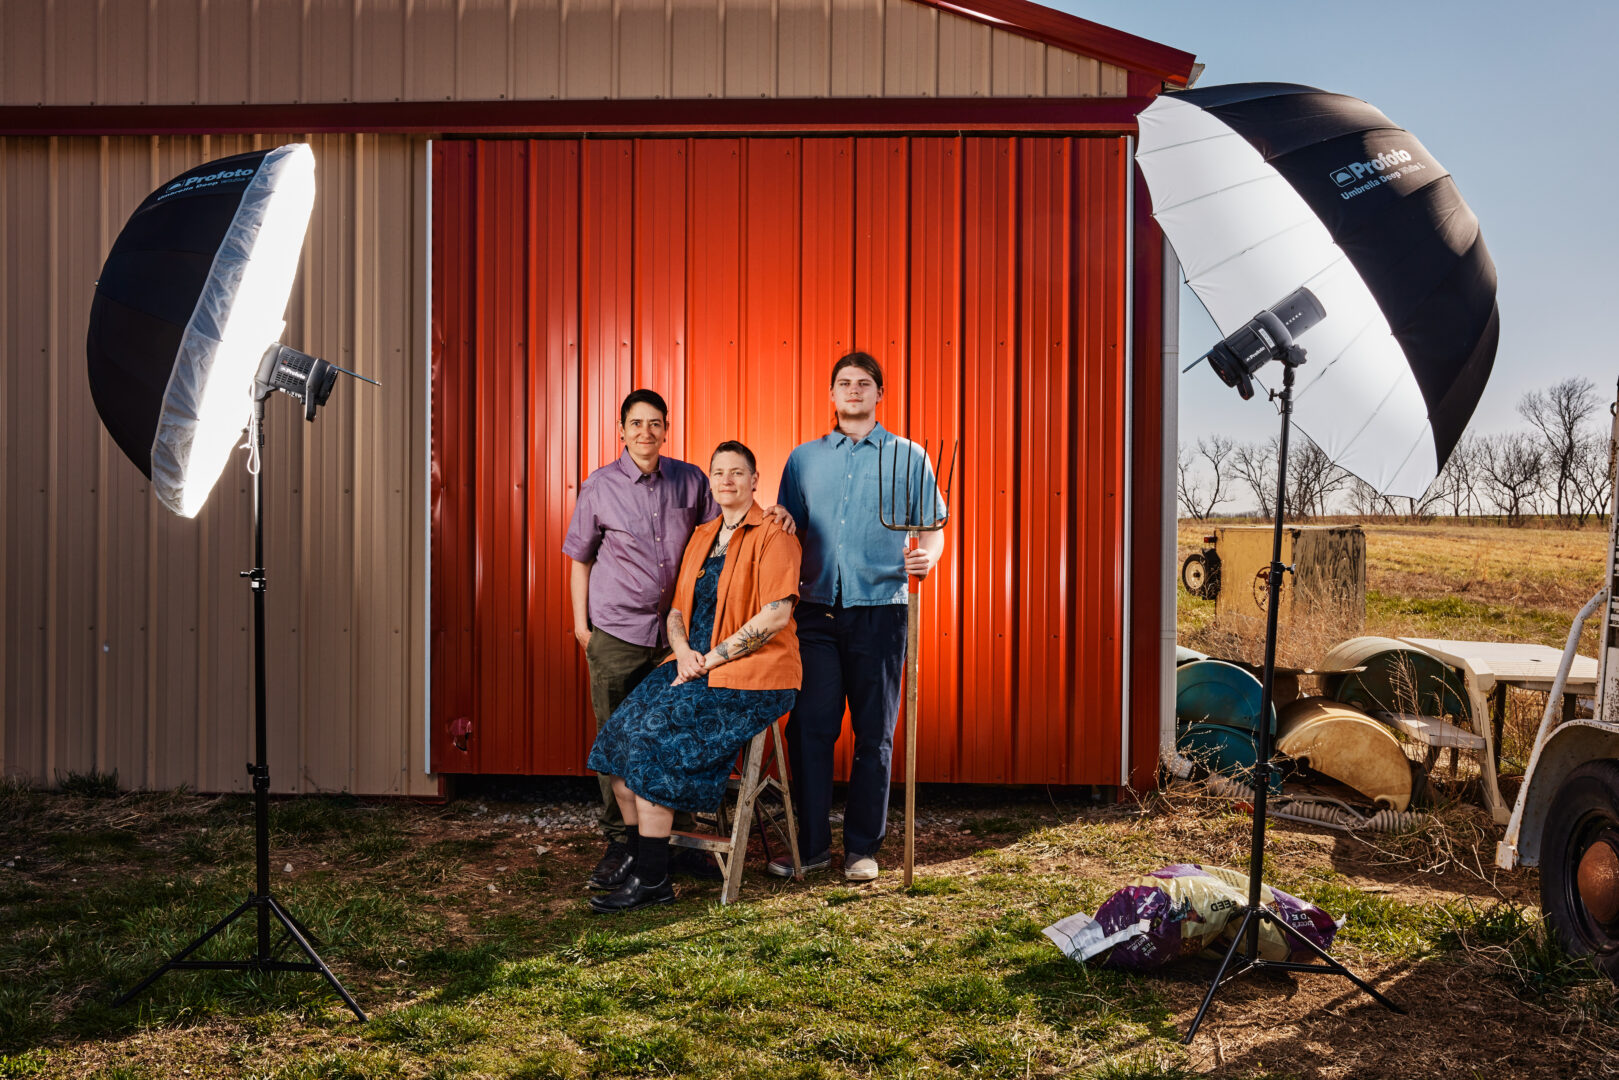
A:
{"points": [[616, 668]]}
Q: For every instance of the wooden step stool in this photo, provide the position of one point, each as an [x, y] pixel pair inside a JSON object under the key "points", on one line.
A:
{"points": [[729, 840]]}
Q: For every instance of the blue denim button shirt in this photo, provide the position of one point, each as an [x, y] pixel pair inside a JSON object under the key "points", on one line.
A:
{"points": [[830, 487]]}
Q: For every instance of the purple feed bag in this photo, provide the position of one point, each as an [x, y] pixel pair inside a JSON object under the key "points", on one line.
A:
{"points": [[1182, 910]]}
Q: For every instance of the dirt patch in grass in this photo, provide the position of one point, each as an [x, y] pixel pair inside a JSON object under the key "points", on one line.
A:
{"points": [[463, 931]]}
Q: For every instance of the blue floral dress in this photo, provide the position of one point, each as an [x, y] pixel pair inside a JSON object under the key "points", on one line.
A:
{"points": [[676, 745]]}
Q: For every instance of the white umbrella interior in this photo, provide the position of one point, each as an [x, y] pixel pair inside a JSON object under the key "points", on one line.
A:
{"points": [[1245, 240]]}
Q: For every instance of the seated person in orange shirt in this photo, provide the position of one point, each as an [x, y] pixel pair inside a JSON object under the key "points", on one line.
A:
{"points": [[671, 744]]}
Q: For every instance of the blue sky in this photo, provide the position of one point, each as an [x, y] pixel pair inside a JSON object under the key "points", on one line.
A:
{"points": [[1515, 99]]}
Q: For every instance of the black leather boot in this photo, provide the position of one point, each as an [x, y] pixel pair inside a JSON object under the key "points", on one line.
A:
{"points": [[614, 867], [633, 894]]}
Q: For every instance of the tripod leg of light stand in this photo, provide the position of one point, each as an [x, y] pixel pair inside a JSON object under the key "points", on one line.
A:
{"points": [[1220, 977], [175, 961], [294, 931], [1331, 965]]}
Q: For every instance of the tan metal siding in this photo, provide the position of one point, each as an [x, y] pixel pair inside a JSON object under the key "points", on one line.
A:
{"points": [[910, 50], [537, 53], [588, 47], [963, 58], [125, 632], [183, 52], [694, 58], [803, 68], [1016, 65], [857, 48], [643, 49]]}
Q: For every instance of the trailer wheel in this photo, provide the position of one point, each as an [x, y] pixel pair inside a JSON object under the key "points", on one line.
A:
{"points": [[1579, 864], [1194, 574]]}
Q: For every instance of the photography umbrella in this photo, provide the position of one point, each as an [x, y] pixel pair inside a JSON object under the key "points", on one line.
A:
{"points": [[190, 297], [1266, 187], [182, 354], [1297, 212]]}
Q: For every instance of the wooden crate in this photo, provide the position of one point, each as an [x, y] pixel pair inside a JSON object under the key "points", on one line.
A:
{"points": [[1329, 571]]}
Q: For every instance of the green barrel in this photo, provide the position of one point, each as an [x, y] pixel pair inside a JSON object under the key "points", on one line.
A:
{"points": [[1397, 678], [1215, 692], [1225, 750]]}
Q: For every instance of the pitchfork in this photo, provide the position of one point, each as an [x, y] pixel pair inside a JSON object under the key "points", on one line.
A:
{"points": [[913, 521]]}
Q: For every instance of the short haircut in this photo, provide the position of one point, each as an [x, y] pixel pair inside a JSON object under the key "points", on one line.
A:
{"points": [[642, 397], [862, 360], [731, 446]]}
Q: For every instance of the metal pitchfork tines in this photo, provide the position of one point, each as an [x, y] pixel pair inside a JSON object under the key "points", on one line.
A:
{"points": [[914, 520], [900, 516]]}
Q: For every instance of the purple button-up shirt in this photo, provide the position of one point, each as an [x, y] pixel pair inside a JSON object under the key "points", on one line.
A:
{"points": [[634, 527]]}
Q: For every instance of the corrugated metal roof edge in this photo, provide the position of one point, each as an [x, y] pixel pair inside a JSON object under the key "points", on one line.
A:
{"points": [[1137, 54], [1103, 115]]}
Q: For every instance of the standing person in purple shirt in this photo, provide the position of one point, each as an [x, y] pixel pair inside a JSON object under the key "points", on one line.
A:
{"points": [[628, 532], [626, 539]]}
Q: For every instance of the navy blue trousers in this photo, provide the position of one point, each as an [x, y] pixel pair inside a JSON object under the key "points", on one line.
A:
{"points": [[854, 657]]}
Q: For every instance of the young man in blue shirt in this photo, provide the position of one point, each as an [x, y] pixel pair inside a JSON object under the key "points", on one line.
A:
{"points": [[852, 613]]}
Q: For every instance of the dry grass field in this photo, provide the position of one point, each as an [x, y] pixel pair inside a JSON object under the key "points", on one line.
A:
{"points": [[1479, 582], [463, 928]]}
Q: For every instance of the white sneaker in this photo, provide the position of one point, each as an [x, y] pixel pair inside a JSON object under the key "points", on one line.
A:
{"points": [[859, 867]]}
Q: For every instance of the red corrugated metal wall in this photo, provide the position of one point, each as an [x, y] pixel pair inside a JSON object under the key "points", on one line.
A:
{"points": [[989, 276]]}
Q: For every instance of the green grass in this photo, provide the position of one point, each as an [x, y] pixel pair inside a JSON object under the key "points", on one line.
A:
{"points": [[951, 977], [90, 785], [1457, 617], [17, 1066]]}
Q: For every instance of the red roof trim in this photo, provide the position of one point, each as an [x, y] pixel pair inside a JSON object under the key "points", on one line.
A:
{"points": [[798, 115], [1077, 35]]}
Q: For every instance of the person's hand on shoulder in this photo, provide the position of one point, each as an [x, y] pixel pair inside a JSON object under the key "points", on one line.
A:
{"points": [[780, 516]]}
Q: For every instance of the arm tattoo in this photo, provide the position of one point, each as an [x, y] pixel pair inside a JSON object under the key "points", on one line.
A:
{"points": [[774, 604], [677, 627], [751, 639], [724, 650]]}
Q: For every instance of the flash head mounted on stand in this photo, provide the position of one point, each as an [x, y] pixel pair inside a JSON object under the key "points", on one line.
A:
{"points": [[1268, 336], [297, 374]]}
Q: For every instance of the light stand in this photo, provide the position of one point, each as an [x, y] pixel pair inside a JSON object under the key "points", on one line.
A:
{"points": [[267, 956], [1243, 955]]}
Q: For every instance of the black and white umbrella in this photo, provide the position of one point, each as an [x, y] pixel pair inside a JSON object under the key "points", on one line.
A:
{"points": [[189, 301], [1266, 187]]}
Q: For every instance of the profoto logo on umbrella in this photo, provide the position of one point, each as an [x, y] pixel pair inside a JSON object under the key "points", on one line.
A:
{"points": [[192, 183], [1356, 171]]}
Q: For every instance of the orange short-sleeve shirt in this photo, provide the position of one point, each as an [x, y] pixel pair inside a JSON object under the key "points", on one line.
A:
{"points": [[761, 565]]}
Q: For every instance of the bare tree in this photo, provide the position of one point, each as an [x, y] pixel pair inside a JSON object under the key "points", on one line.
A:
{"points": [[1512, 466], [1461, 477], [1558, 414], [1312, 479], [1424, 506], [1365, 501], [1212, 461], [1254, 464], [1592, 481]]}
